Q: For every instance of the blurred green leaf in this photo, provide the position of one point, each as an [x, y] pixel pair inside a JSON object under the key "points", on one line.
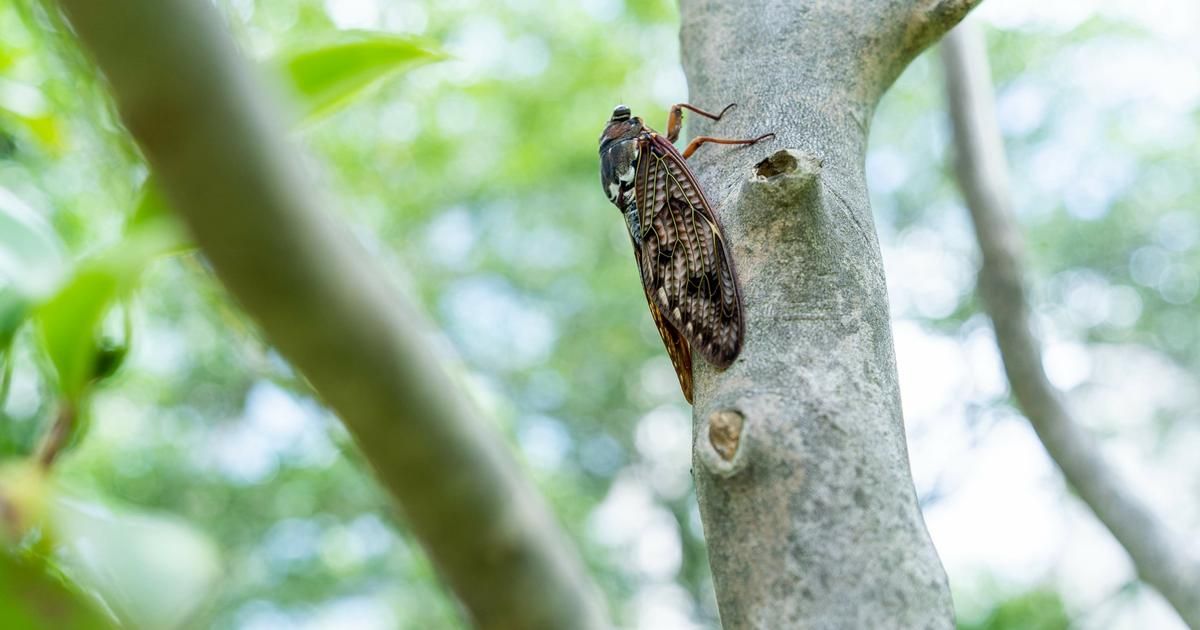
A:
{"points": [[330, 76], [32, 594], [24, 490], [152, 569], [31, 254], [151, 205], [69, 320], [68, 324], [47, 130], [32, 598], [14, 308], [1032, 610], [25, 105]]}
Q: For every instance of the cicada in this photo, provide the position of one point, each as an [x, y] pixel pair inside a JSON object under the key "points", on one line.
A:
{"points": [[680, 249]]}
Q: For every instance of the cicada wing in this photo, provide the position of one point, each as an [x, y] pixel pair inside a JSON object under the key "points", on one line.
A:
{"points": [[677, 349], [686, 267]]}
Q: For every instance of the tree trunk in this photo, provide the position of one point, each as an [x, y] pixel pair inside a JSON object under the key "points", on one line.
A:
{"points": [[808, 504]]}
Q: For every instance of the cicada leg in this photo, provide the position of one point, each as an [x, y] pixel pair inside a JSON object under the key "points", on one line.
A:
{"points": [[675, 118], [695, 144]]}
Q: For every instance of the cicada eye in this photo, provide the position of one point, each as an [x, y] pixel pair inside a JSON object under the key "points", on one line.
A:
{"points": [[621, 112]]}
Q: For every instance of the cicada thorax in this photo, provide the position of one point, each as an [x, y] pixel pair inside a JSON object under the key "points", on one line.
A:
{"points": [[619, 153]]}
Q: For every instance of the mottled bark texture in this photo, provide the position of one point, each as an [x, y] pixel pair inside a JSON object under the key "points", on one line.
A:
{"points": [[215, 143], [1163, 558], [811, 517]]}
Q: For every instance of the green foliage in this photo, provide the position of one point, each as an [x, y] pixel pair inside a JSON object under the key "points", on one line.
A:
{"points": [[331, 76], [125, 555], [1034, 610], [474, 183], [31, 254], [32, 597], [14, 308], [69, 320]]}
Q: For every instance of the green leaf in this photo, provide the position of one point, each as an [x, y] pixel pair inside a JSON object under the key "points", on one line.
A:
{"points": [[31, 254], [151, 205], [32, 593], [24, 494], [153, 570], [32, 597], [329, 76], [14, 308], [26, 106], [68, 324], [152, 215], [69, 321]]}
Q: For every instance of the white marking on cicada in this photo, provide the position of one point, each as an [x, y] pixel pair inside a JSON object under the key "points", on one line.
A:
{"points": [[614, 190], [628, 175]]}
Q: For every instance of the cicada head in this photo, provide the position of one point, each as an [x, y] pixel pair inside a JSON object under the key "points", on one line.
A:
{"points": [[619, 154], [621, 126]]}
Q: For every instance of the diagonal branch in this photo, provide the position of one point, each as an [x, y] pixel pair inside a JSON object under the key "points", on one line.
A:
{"points": [[1160, 555], [215, 144]]}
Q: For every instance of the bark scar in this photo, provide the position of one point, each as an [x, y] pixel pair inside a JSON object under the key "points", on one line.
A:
{"points": [[725, 432], [788, 162], [786, 177], [720, 443]]}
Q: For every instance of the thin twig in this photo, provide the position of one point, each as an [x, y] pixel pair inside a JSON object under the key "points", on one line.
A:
{"points": [[57, 436]]}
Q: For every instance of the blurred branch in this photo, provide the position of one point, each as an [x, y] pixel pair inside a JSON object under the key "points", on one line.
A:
{"points": [[216, 145], [1162, 558]]}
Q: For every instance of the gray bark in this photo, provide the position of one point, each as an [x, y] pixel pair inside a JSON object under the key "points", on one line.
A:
{"points": [[215, 144], [1162, 557], [801, 470]]}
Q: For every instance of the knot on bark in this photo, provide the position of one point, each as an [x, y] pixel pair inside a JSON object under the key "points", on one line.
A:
{"points": [[787, 163], [785, 177], [774, 166], [721, 440], [725, 433]]}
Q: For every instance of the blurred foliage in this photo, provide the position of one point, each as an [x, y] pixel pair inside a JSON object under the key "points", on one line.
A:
{"points": [[473, 181], [31, 596], [330, 76], [1035, 610]]}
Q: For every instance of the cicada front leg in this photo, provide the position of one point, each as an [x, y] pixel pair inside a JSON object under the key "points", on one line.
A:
{"points": [[675, 118]]}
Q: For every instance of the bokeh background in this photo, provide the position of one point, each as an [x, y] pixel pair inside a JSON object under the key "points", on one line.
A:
{"points": [[208, 465]]}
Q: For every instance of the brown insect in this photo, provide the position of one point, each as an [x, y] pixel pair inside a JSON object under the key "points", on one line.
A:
{"points": [[680, 250]]}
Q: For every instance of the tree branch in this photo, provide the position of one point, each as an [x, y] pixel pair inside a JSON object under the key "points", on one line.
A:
{"points": [[801, 468], [1162, 557], [216, 145], [933, 19]]}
